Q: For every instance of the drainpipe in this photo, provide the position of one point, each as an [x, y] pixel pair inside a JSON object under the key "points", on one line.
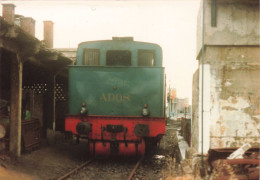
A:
{"points": [[202, 170]]}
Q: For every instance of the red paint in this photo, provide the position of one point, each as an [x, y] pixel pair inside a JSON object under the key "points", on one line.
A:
{"points": [[156, 127], [130, 149], [71, 123]]}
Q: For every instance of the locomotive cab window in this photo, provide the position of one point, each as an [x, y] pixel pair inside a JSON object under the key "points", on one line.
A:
{"points": [[118, 58], [146, 58], [91, 57]]}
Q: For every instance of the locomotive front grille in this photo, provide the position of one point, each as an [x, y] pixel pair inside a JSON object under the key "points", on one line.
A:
{"points": [[114, 128]]}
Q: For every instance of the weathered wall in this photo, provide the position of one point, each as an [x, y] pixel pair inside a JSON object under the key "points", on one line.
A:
{"points": [[235, 95], [232, 54], [237, 23]]}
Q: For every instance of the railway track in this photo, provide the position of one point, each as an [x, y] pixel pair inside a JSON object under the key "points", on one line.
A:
{"points": [[157, 164], [65, 176], [134, 169], [87, 163]]}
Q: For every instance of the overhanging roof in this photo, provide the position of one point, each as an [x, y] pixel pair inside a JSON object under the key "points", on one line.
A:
{"points": [[29, 48]]}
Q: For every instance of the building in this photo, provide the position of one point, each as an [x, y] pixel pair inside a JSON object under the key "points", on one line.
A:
{"points": [[68, 52], [229, 67], [31, 78], [177, 108]]}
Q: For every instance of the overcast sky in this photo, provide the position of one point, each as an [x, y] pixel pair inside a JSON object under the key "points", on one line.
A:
{"points": [[171, 24]]}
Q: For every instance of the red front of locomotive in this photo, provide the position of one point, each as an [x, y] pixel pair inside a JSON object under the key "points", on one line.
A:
{"points": [[113, 135]]}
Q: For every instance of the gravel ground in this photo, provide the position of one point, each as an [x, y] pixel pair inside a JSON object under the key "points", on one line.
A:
{"points": [[159, 163], [106, 169], [162, 162], [54, 159]]}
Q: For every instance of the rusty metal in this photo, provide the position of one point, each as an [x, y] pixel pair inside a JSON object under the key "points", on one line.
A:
{"points": [[134, 169], [243, 168], [236, 161]]}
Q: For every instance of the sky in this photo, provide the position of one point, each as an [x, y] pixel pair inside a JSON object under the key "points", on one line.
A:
{"points": [[171, 24]]}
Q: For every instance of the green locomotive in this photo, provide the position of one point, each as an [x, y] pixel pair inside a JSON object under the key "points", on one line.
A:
{"points": [[120, 85]]}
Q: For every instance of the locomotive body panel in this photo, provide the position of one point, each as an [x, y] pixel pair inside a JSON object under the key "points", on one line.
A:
{"points": [[117, 91]]}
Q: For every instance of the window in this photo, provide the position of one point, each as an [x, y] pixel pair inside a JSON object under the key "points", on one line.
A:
{"points": [[118, 58], [146, 58], [91, 57]]}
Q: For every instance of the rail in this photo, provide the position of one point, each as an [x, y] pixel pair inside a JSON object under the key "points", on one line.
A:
{"points": [[67, 175], [134, 169], [75, 170]]}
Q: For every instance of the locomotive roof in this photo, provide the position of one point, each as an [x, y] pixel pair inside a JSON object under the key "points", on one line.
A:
{"points": [[123, 44], [119, 39]]}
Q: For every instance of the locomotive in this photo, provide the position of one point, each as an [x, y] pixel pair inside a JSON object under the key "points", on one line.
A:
{"points": [[117, 96]]}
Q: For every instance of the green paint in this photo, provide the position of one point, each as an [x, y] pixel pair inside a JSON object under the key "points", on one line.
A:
{"points": [[118, 91]]}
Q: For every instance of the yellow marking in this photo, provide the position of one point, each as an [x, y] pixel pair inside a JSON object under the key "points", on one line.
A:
{"points": [[104, 97], [126, 98], [120, 98], [110, 97]]}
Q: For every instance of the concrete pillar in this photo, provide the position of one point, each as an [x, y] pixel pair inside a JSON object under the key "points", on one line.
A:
{"points": [[16, 106], [8, 12], [48, 34], [28, 25]]}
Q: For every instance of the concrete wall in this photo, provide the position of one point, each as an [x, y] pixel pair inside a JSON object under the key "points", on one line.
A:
{"points": [[235, 95], [237, 23], [232, 95]]}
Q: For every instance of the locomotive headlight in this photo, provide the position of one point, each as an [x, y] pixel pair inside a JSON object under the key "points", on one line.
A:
{"points": [[145, 111], [83, 109]]}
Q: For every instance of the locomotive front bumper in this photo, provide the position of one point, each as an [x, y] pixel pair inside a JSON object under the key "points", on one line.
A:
{"points": [[114, 134]]}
